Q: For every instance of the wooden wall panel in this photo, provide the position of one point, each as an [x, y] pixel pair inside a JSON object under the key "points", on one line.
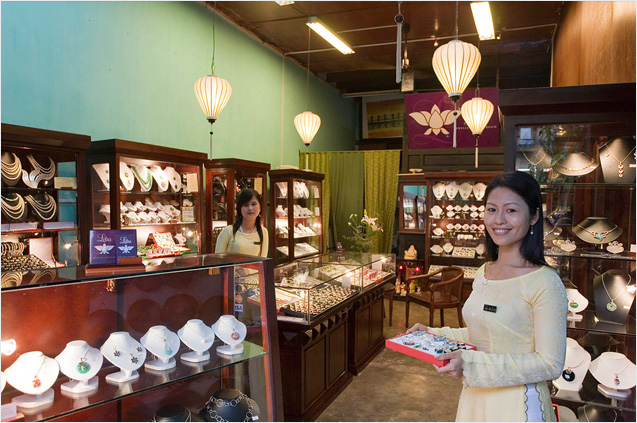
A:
{"points": [[595, 44]]}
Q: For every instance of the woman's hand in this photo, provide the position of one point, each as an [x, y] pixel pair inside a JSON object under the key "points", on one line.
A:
{"points": [[454, 367], [417, 327]]}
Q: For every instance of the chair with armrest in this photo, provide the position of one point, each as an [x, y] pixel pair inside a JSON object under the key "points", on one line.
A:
{"points": [[447, 293]]}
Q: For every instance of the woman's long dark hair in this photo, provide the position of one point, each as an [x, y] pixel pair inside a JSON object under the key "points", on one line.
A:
{"points": [[244, 197], [523, 184]]}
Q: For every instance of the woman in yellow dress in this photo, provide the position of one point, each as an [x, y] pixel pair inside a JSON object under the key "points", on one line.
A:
{"points": [[246, 235], [515, 315]]}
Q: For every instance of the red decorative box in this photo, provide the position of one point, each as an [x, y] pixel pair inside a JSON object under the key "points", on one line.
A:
{"points": [[425, 346]]}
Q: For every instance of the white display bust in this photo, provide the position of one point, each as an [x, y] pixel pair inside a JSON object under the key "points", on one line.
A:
{"points": [[199, 338], [174, 178], [576, 304], [34, 374], [160, 177], [164, 345], [102, 172], [232, 332], [81, 363], [615, 373], [575, 367], [126, 176], [124, 352]]}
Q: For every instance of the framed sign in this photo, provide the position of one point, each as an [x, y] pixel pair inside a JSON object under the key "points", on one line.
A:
{"points": [[383, 116]]}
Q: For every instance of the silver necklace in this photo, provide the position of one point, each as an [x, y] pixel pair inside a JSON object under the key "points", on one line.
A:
{"points": [[232, 403], [203, 338], [568, 374], [611, 306], [534, 164], [616, 379], [133, 358]]}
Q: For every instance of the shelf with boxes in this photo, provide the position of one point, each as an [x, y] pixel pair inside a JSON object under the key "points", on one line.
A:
{"points": [[579, 144], [154, 190], [42, 186]]}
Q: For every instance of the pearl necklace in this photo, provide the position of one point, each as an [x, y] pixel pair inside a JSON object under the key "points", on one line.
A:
{"points": [[12, 171], [14, 208], [45, 210], [46, 172]]}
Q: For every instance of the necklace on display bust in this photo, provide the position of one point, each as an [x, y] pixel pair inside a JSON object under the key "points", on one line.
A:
{"points": [[620, 163], [14, 207], [11, 171], [611, 306], [167, 349], [45, 172], [234, 335], [576, 164], [143, 175], [541, 153], [204, 339], [597, 235], [134, 358], [83, 366], [616, 380], [568, 374], [45, 209], [36, 378]]}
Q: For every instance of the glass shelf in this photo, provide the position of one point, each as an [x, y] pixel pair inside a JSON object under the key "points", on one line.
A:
{"points": [[590, 395], [591, 324]]}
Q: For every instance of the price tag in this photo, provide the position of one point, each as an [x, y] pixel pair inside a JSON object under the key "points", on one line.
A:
{"points": [[62, 182]]}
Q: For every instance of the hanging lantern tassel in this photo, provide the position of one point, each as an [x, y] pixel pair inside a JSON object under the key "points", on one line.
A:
{"points": [[476, 152], [455, 120]]}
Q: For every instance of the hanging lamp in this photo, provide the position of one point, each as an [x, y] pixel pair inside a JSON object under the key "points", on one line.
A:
{"points": [[455, 64], [476, 113], [307, 123], [212, 91]]}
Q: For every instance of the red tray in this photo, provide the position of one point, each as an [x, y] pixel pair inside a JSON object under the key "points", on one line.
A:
{"points": [[418, 353]]}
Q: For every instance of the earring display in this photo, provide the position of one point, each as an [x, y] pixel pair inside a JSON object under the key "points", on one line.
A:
{"points": [[615, 373], [34, 374], [230, 405], [232, 332], [199, 338], [575, 367], [597, 230], [11, 169], [575, 164], [123, 351], [80, 362], [164, 345], [615, 247]]}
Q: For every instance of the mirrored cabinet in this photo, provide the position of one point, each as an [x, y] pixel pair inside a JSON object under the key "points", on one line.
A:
{"points": [[158, 191], [43, 191], [221, 201]]}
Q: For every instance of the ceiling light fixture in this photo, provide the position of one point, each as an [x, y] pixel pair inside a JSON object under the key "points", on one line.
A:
{"points": [[476, 113], [321, 29], [285, 3], [484, 22], [455, 64], [212, 92], [307, 123]]}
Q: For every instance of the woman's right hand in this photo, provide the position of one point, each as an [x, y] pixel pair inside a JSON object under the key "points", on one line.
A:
{"points": [[418, 327]]}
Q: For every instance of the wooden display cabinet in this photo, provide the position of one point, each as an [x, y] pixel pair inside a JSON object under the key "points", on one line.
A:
{"points": [[562, 137], [173, 184], [221, 201], [295, 215], [68, 305], [52, 232]]}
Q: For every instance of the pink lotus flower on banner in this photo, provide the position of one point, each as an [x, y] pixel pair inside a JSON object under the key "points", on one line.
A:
{"points": [[436, 120]]}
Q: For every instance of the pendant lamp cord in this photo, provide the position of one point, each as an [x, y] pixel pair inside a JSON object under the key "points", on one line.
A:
{"points": [[455, 33], [478, 74], [307, 83], [214, 21]]}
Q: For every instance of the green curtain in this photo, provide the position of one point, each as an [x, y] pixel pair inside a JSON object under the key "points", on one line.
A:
{"points": [[320, 162], [381, 188], [347, 175]]}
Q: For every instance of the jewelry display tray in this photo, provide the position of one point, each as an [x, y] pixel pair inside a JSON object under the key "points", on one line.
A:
{"points": [[415, 345]]}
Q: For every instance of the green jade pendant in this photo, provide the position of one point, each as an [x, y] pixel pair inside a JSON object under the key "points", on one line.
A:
{"points": [[611, 306], [573, 304], [83, 367]]}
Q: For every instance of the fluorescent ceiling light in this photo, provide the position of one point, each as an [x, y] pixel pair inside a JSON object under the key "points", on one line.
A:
{"points": [[322, 30], [483, 20], [284, 3]]}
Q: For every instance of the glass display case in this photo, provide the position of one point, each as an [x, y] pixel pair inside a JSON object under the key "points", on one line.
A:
{"points": [[363, 269], [579, 144], [156, 190], [139, 346], [221, 201], [43, 185], [413, 207], [295, 215]]}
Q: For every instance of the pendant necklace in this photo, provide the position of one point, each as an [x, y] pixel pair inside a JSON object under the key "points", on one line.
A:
{"points": [[36, 379], [600, 236], [573, 304], [167, 349], [611, 306], [145, 183], [534, 164], [568, 374], [616, 380], [118, 353], [620, 163], [203, 338], [576, 169], [234, 335], [83, 366]]}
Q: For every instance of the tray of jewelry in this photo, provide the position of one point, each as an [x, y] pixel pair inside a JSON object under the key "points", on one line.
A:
{"points": [[283, 298], [372, 276], [425, 346], [319, 301]]}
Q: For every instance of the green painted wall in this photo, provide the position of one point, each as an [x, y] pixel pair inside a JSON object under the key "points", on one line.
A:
{"points": [[127, 70]]}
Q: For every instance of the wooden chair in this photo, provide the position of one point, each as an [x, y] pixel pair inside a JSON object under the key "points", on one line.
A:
{"points": [[437, 295]]}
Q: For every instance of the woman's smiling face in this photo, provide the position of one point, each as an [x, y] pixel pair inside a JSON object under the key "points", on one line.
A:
{"points": [[507, 217]]}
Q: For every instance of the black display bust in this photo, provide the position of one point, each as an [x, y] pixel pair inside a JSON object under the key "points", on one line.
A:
{"points": [[617, 158], [612, 299]]}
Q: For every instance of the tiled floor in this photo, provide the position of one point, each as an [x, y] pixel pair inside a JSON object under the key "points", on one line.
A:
{"points": [[397, 388]]}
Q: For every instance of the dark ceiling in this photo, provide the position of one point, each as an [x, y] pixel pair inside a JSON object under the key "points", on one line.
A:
{"points": [[521, 58]]}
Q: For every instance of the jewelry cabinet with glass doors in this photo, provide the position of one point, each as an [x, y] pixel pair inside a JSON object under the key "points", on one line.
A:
{"points": [[221, 201], [412, 204], [129, 347], [579, 144], [295, 214], [158, 191], [43, 184]]}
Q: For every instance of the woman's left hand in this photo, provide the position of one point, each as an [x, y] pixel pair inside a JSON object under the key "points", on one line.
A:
{"points": [[454, 367]]}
